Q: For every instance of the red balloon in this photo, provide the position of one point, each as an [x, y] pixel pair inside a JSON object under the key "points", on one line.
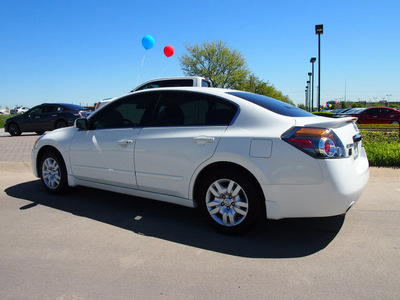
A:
{"points": [[169, 51]]}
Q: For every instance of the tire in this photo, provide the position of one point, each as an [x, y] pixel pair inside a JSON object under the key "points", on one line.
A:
{"points": [[53, 173], [229, 200], [395, 122], [61, 124], [14, 130], [39, 132]]}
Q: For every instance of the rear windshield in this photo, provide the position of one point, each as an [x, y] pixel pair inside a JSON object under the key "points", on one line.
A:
{"points": [[273, 105]]}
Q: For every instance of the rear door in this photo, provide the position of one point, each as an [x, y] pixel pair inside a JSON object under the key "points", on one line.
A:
{"points": [[186, 129]]}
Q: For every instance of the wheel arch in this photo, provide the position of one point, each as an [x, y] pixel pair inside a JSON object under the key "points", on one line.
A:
{"points": [[43, 150], [233, 167]]}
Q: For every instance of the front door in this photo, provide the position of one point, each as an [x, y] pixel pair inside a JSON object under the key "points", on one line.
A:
{"points": [[104, 153]]}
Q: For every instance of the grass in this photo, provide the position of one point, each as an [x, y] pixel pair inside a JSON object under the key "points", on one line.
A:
{"points": [[3, 118]]}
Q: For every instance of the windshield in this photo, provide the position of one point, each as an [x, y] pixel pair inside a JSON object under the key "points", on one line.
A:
{"points": [[273, 105]]}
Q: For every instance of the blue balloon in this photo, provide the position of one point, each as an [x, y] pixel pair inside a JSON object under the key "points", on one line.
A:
{"points": [[148, 42]]}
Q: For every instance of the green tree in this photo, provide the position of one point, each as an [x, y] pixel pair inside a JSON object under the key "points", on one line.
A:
{"points": [[255, 85], [225, 66], [357, 105]]}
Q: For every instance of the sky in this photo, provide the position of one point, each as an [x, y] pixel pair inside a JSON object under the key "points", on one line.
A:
{"points": [[83, 51]]}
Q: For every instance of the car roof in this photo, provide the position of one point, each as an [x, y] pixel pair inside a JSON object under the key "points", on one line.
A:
{"points": [[69, 105]]}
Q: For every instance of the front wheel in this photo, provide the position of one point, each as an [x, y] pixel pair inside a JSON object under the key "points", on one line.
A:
{"points": [[14, 130], [53, 173], [230, 201]]}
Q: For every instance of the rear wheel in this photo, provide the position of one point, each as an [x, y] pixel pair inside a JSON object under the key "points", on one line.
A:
{"points": [[229, 200], [13, 129], [53, 173]]}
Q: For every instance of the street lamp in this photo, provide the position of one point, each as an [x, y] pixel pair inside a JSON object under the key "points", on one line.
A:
{"points": [[312, 61], [319, 29]]}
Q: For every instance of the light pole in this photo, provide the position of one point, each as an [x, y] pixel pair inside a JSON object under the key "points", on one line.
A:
{"points": [[319, 29], [306, 94], [312, 61], [309, 90]]}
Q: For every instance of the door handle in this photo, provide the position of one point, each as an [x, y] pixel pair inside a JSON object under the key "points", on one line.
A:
{"points": [[125, 142], [203, 140]]}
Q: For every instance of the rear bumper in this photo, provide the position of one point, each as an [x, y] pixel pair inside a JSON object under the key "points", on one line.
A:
{"points": [[343, 182]]}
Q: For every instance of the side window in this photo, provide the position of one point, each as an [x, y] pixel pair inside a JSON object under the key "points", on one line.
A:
{"points": [[49, 108], [36, 110], [130, 111], [221, 113], [385, 111], [193, 109], [166, 83], [205, 83], [373, 111]]}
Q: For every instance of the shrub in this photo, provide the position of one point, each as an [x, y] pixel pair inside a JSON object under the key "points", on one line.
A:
{"points": [[383, 148]]}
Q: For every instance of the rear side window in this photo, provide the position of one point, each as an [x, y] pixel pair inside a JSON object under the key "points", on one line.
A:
{"points": [[273, 105], [166, 83], [193, 109], [205, 83]]}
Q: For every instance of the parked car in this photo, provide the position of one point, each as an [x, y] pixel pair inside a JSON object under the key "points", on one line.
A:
{"points": [[350, 112], [195, 81], [237, 155], [376, 115], [340, 111], [19, 110], [45, 117]]}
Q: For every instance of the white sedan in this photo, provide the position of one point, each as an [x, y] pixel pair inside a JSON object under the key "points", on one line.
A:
{"points": [[238, 156]]}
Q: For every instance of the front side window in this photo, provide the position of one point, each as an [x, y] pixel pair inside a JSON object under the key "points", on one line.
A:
{"points": [[130, 111], [193, 109], [374, 111], [36, 110]]}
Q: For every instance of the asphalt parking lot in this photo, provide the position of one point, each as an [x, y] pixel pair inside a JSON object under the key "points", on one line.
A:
{"points": [[90, 244]]}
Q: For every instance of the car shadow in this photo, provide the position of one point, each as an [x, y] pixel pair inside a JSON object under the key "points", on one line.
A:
{"points": [[268, 239]]}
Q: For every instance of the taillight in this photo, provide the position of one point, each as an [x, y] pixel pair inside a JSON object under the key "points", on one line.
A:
{"points": [[317, 142]]}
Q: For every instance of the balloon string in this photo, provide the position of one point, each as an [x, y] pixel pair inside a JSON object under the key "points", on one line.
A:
{"points": [[141, 68]]}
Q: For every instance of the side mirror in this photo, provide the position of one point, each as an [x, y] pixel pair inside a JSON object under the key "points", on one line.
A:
{"points": [[81, 123]]}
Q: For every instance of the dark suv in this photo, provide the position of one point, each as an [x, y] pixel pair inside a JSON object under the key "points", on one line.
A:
{"points": [[45, 117]]}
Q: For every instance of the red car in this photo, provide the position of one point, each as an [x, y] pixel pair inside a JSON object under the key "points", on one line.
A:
{"points": [[377, 115]]}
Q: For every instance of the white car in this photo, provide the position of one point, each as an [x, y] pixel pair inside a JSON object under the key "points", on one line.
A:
{"points": [[19, 110], [238, 156], [194, 81]]}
